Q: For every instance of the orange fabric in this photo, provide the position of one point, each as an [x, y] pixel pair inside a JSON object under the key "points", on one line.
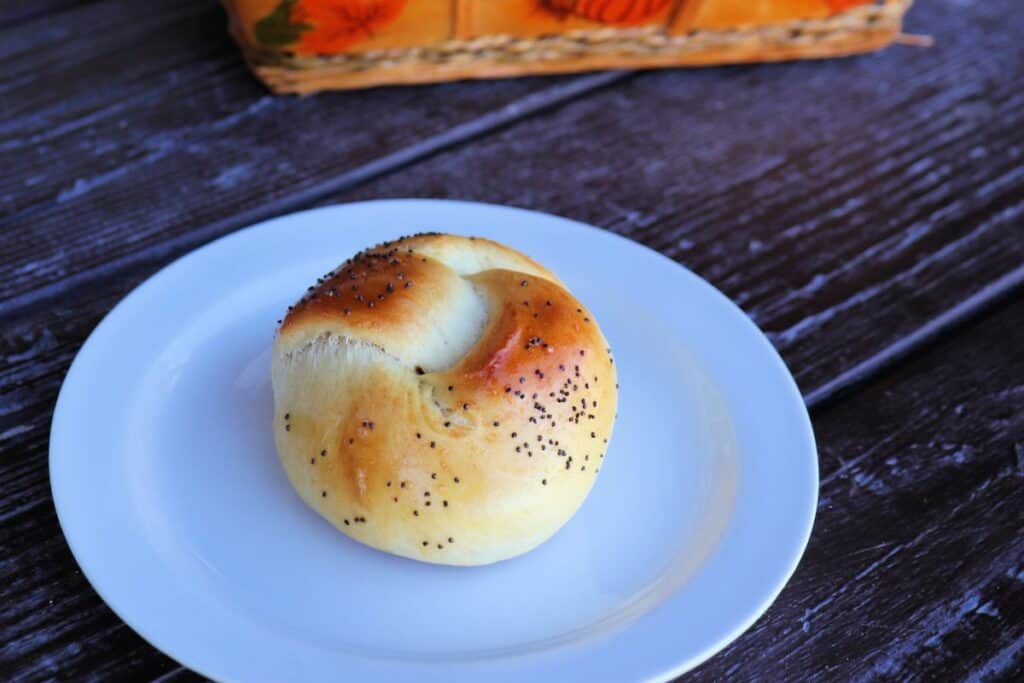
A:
{"points": [[840, 5], [338, 24], [617, 12], [726, 14]]}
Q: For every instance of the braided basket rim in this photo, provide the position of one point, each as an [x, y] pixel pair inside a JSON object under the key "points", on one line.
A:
{"points": [[645, 41]]}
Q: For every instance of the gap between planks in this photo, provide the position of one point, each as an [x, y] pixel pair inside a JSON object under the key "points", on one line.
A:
{"points": [[970, 309], [174, 674], [511, 113]]}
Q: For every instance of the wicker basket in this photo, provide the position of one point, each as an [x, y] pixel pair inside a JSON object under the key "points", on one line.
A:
{"points": [[302, 46]]}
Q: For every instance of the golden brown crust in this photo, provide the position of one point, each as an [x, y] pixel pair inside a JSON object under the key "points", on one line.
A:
{"points": [[493, 448], [388, 291]]}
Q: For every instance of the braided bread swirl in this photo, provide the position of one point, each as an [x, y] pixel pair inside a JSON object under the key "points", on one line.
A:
{"points": [[443, 398]]}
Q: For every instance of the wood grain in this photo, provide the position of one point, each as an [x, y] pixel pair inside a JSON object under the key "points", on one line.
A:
{"points": [[14, 12], [111, 172], [52, 624], [915, 569], [846, 206], [850, 201], [125, 124]]}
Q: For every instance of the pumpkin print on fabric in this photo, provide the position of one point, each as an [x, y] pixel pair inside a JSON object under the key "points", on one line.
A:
{"points": [[616, 12], [336, 24], [325, 26]]}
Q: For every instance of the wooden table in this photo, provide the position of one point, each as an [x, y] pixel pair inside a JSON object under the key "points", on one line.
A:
{"points": [[867, 213]]}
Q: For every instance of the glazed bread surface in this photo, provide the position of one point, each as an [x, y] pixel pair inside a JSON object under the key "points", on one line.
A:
{"points": [[443, 398]]}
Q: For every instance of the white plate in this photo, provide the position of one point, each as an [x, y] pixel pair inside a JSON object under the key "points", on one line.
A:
{"points": [[172, 499]]}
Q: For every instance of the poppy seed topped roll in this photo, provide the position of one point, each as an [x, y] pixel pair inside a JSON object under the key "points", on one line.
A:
{"points": [[443, 398]]}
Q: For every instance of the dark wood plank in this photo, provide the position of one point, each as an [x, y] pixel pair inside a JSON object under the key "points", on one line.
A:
{"points": [[898, 246], [130, 211], [14, 12], [125, 124], [848, 201], [915, 570], [978, 304], [52, 624]]}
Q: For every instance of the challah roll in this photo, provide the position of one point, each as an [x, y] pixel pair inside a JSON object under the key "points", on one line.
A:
{"points": [[443, 398]]}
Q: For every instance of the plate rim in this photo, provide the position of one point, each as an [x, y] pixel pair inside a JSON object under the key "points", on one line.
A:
{"points": [[802, 527]]}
